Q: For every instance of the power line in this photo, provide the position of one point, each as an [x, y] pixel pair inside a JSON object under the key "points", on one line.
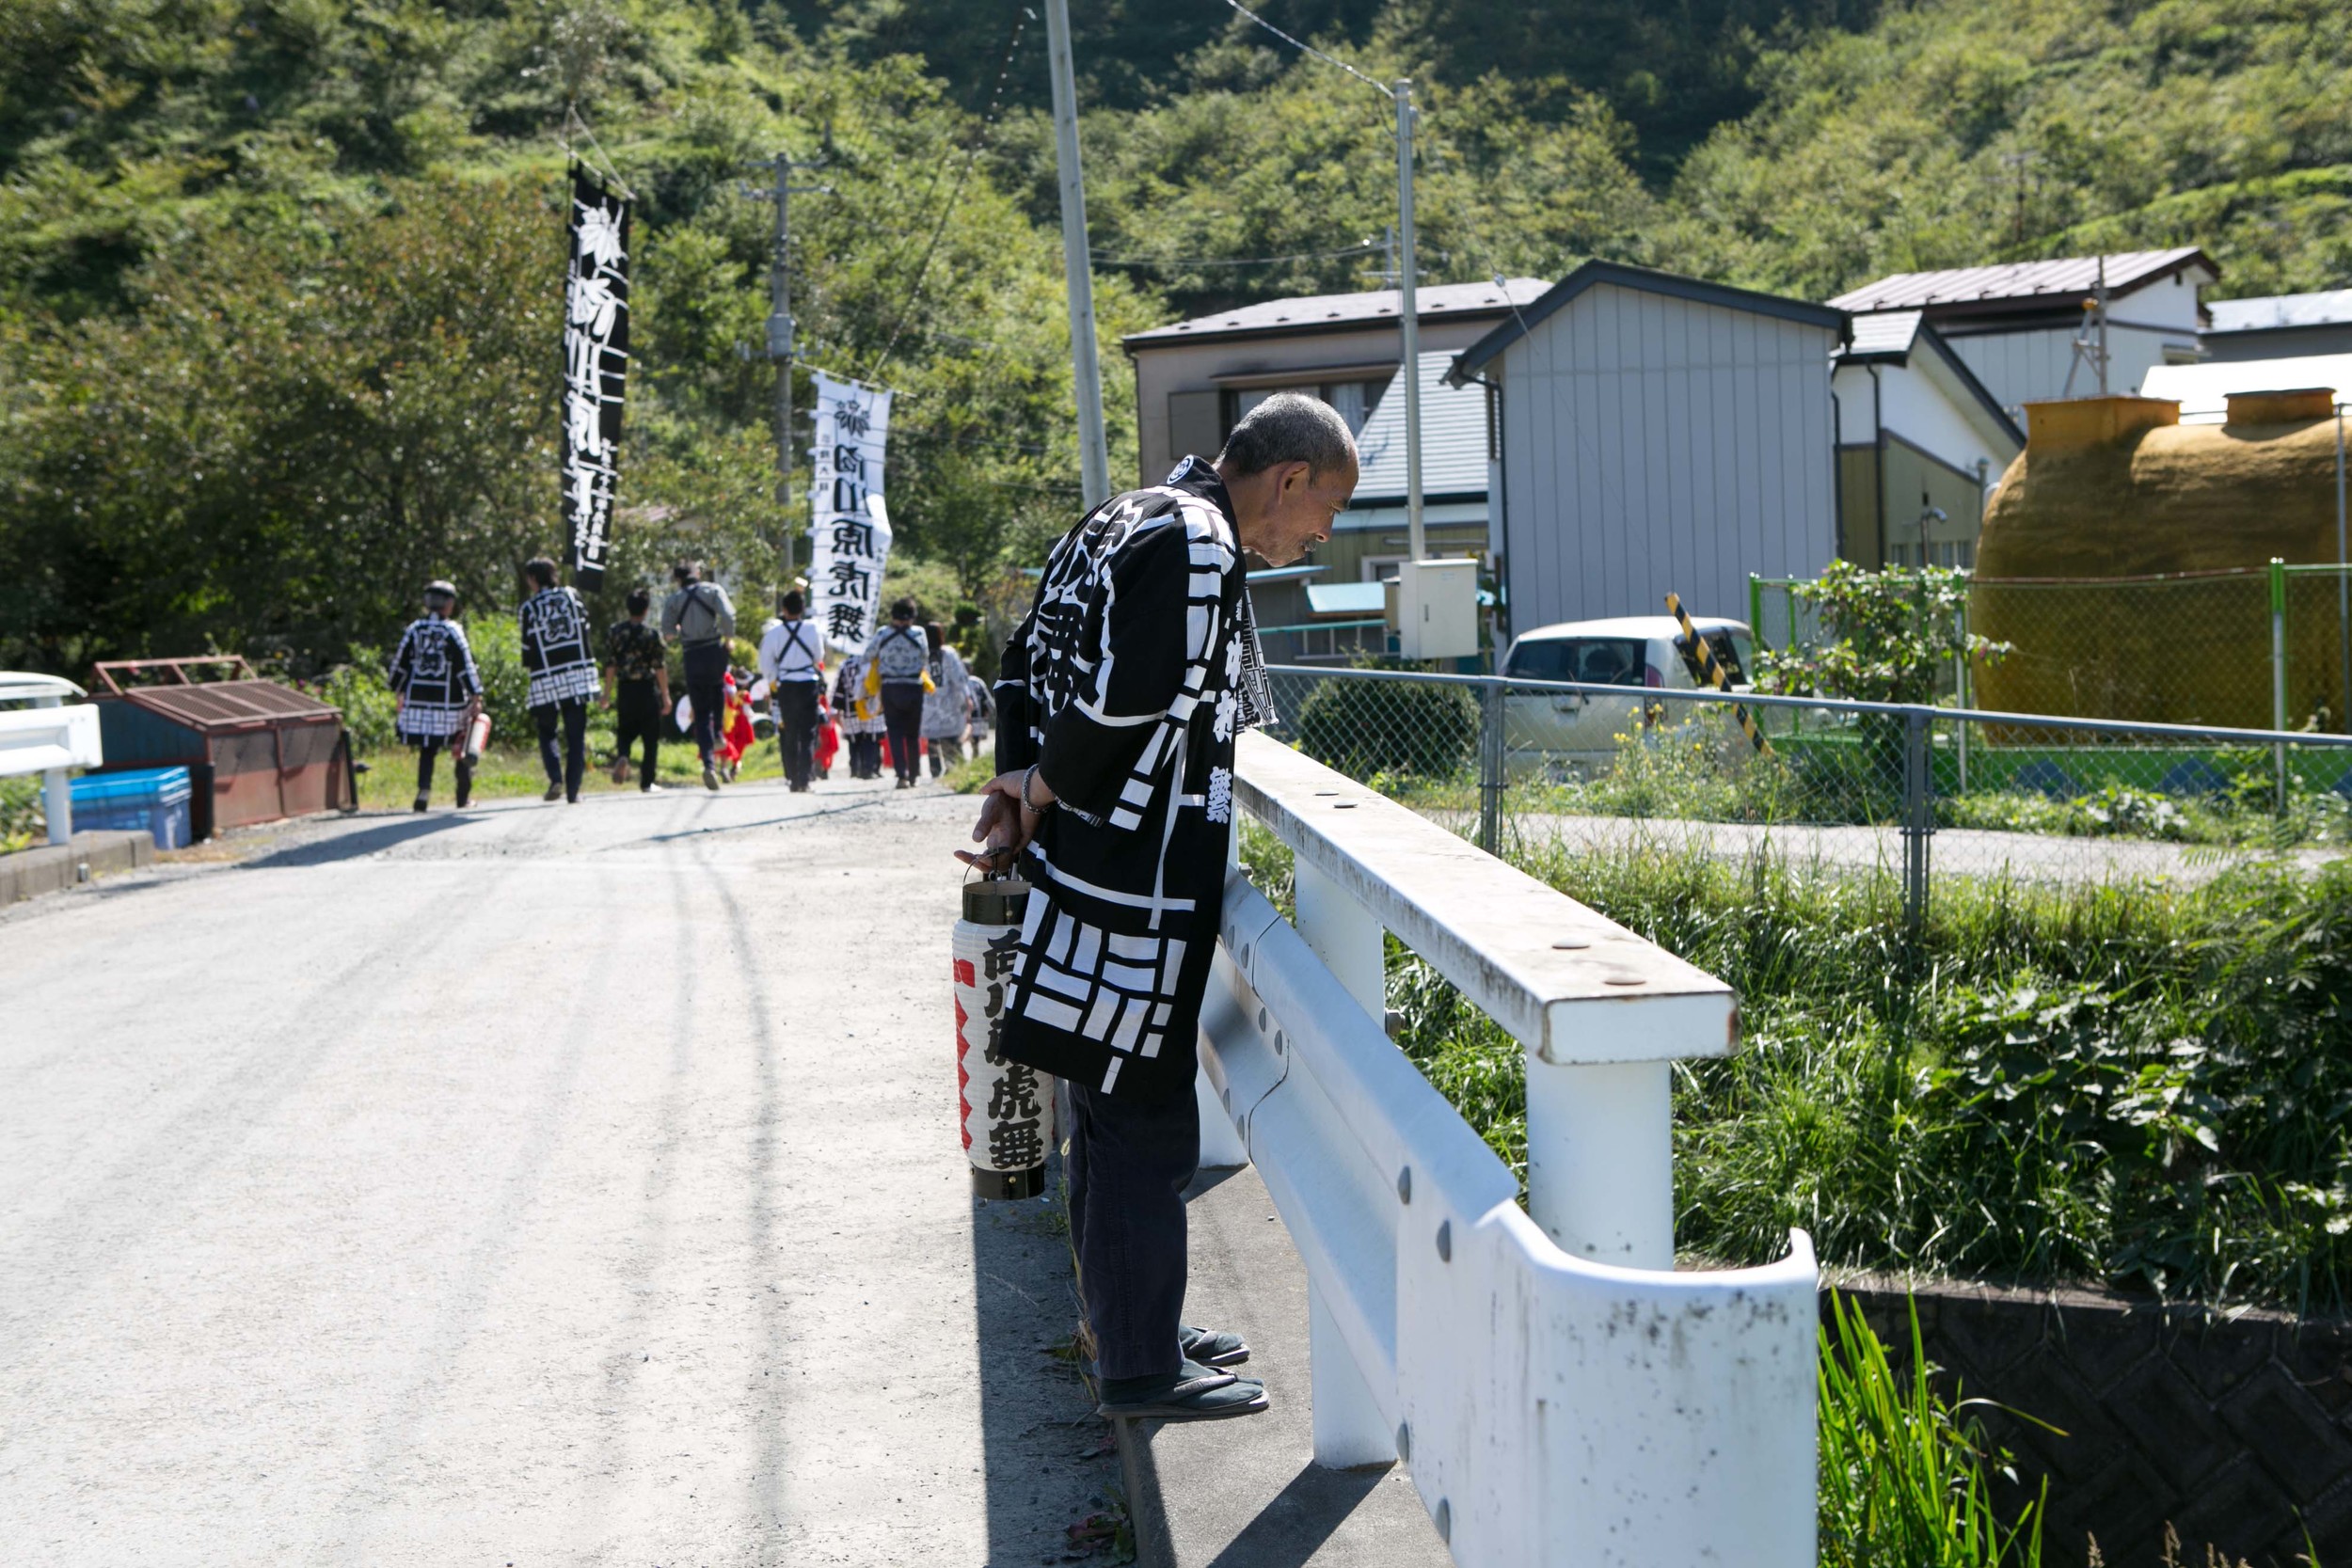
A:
{"points": [[1311, 49], [972, 155], [1230, 260]]}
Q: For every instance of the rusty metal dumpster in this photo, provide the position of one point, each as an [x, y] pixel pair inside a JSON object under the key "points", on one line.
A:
{"points": [[255, 750]]}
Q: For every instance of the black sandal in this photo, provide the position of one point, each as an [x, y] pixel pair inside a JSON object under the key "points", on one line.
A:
{"points": [[1191, 1393]]}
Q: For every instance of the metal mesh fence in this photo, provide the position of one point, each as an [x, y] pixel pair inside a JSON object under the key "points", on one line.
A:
{"points": [[1911, 792], [2249, 648]]}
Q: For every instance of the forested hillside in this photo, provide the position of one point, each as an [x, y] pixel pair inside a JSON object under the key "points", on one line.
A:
{"points": [[278, 279]]}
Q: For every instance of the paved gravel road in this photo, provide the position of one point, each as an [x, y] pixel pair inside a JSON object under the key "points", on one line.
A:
{"points": [[531, 1185]]}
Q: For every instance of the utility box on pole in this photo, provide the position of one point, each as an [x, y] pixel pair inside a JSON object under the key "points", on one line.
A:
{"points": [[1437, 609]]}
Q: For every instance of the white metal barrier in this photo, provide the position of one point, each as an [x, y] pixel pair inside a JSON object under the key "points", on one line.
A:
{"points": [[1559, 1394], [47, 738]]}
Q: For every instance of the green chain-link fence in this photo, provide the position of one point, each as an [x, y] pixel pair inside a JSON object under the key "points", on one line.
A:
{"points": [[1911, 791], [2249, 648]]}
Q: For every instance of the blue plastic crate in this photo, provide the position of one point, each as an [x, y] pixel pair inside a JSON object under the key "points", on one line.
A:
{"points": [[154, 801]]}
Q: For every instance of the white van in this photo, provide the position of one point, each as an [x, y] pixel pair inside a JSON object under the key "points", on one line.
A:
{"points": [[1568, 733]]}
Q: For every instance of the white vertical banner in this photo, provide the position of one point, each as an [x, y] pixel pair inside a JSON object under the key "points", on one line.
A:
{"points": [[849, 526]]}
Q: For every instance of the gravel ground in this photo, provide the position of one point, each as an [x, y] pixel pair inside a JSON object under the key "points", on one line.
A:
{"points": [[527, 1186]]}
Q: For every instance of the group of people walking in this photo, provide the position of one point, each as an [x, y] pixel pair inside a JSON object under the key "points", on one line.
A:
{"points": [[907, 690]]}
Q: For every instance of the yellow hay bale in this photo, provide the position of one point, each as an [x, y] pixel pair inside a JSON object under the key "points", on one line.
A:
{"points": [[2116, 488]]}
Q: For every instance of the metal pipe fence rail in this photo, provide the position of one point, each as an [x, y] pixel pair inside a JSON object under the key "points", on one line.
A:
{"points": [[1867, 787], [1559, 1394], [48, 737]]}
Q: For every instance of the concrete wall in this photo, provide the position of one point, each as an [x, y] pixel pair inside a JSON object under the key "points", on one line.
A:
{"points": [[1654, 444]]}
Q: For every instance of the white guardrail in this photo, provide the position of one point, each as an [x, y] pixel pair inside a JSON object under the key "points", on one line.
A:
{"points": [[1559, 1394], [48, 739]]}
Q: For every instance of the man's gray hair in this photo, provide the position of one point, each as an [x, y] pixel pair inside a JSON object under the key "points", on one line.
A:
{"points": [[1289, 427]]}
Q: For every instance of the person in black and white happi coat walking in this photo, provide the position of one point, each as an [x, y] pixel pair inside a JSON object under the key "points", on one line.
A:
{"points": [[438, 690], [900, 655], [1117, 705], [563, 671]]}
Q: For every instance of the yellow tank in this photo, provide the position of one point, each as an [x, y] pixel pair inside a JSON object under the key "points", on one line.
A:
{"points": [[2180, 523]]}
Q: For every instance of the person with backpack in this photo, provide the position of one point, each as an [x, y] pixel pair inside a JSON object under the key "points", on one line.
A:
{"points": [[898, 670], [948, 705], [562, 672], [438, 688], [792, 660], [700, 618], [638, 686]]}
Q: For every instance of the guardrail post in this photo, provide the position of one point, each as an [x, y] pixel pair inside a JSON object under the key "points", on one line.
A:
{"points": [[2278, 668], [1600, 1177], [1919, 816], [1349, 1429], [57, 791], [1490, 759]]}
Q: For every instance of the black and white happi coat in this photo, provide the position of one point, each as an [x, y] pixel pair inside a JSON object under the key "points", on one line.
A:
{"points": [[433, 671], [1126, 685], [555, 647]]}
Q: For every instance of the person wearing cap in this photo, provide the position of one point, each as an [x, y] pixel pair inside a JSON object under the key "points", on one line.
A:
{"points": [[563, 675], [1118, 704], [438, 689], [792, 659], [700, 618]]}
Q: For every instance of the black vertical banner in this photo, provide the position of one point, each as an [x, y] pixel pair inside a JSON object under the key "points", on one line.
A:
{"points": [[596, 367]]}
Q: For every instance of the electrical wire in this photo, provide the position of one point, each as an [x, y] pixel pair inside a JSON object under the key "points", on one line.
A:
{"points": [[1230, 261], [963, 176], [1311, 49]]}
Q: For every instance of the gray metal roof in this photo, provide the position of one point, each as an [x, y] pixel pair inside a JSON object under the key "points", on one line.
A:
{"points": [[2020, 280], [2203, 390], [1326, 312], [2329, 308], [1453, 438], [1647, 280]]}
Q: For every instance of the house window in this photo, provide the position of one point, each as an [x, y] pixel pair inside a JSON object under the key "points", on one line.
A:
{"points": [[1354, 401]]}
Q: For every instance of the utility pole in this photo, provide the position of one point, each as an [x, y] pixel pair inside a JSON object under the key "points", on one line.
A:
{"points": [[2099, 294], [780, 339], [1094, 466], [1409, 312]]}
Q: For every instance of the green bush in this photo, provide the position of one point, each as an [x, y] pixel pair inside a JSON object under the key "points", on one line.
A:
{"points": [[1407, 729], [497, 653], [359, 690]]}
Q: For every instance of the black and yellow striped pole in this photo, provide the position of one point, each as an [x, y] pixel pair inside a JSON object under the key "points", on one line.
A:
{"points": [[1707, 670]]}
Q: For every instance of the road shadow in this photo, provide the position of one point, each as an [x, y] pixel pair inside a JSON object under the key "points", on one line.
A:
{"points": [[1039, 1438], [357, 845]]}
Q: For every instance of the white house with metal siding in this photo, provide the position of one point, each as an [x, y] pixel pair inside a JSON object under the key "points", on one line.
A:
{"points": [[2015, 325], [1657, 435]]}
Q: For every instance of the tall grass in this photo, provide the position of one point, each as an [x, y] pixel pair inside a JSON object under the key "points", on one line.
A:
{"points": [[2142, 1085], [1905, 1477]]}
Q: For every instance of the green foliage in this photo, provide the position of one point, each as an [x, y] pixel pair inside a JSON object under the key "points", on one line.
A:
{"points": [[1886, 635], [1905, 1476], [358, 688], [1372, 729], [498, 654], [2138, 1086]]}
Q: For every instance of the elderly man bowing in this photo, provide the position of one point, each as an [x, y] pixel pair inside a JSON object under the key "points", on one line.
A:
{"points": [[1119, 702]]}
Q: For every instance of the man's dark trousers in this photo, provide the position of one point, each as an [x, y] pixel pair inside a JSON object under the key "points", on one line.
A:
{"points": [[1129, 1165], [567, 769], [636, 715], [902, 717], [706, 688], [796, 729]]}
